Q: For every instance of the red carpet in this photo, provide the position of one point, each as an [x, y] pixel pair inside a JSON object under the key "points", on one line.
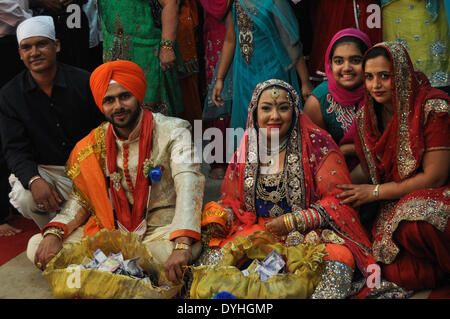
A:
{"points": [[11, 246], [440, 293]]}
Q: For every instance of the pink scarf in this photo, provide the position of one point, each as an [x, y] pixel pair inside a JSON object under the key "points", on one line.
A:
{"points": [[215, 8], [343, 96]]}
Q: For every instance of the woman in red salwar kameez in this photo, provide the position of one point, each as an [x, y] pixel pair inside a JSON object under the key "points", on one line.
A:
{"points": [[404, 147]]}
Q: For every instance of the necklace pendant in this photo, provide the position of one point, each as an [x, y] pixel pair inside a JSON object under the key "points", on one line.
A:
{"points": [[116, 178], [276, 211], [273, 197]]}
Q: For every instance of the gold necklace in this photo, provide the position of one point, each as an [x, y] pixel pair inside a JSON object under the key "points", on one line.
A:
{"points": [[274, 196]]}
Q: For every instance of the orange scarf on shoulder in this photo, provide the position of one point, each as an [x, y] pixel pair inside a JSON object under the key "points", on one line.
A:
{"points": [[86, 166]]}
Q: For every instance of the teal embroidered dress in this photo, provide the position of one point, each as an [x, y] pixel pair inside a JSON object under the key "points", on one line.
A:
{"points": [[338, 119], [267, 47]]}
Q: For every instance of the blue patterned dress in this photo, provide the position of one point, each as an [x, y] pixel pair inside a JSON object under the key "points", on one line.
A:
{"points": [[267, 47]]}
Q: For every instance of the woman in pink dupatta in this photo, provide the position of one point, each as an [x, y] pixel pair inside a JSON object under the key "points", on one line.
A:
{"points": [[334, 103], [297, 203]]}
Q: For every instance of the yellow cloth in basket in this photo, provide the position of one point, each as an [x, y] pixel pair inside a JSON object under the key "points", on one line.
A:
{"points": [[304, 262], [93, 283]]}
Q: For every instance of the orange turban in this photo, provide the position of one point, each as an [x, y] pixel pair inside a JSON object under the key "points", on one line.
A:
{"points": [[128, 74]]}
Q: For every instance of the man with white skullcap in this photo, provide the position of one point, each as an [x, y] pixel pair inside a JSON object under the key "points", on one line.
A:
{"points": [[71, 29], [12, 12], [44, 111]]}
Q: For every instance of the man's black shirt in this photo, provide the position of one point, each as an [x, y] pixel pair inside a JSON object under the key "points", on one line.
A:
{"points": [[38, 129]]}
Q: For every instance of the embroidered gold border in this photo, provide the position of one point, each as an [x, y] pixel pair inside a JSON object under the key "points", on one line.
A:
{"points": [[431, 211], [99, 149], [84, 201], [401, 64], [436, 106], [360, 115]]}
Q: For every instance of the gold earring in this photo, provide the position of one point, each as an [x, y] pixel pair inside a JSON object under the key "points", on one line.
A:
{"points": [[288, 98]]}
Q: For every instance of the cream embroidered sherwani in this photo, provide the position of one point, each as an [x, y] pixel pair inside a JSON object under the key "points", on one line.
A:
{"points": [[175, 202]]}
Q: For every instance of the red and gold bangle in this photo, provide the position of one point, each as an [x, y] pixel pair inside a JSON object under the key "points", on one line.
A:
{"points": [[300, 220]]}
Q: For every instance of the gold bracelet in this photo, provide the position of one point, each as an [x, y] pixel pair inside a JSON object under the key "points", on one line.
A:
{"points": [[375, 191], [53, 232], [293, 221], [55, 228], [32, 180], [168, 43], [300, 221], [287, 223], [167, 47], [181, 246]]}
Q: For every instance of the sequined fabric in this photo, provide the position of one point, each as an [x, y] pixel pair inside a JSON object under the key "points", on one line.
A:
{"points": [[386, 290], [313, 166], [336, 281], [406, 162], [361, 129], [342, 115], [209, 256], [422, 28], [431, 209], [120, 48], [245, 27], [436, 106], [389, 290]]}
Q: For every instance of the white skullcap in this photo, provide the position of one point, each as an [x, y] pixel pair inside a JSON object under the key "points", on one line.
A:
{"points": [[40, 26]]}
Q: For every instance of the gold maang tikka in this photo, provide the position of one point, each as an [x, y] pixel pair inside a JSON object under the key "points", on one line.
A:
{"points": [[275, 93]]}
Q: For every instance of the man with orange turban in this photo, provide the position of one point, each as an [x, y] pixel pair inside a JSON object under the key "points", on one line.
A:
{"points": [[133, 173]]}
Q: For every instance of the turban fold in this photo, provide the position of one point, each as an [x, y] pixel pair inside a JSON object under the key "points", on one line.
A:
{"points": [[128, 74], [40, 26]]}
